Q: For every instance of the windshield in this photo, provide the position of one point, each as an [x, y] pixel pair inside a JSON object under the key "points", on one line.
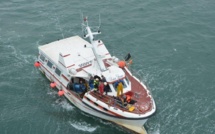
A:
{"points": [[124, 83]]}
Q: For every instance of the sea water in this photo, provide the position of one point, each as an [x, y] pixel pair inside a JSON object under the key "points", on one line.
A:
{"points": [[172, 44]]}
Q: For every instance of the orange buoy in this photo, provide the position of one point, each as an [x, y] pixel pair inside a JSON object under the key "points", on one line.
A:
{"points": [[53, 85], [60, 93], [121, 64], [37, 64]]}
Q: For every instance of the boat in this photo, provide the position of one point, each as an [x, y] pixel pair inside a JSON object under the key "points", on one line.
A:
{"points": [[89, 77]]}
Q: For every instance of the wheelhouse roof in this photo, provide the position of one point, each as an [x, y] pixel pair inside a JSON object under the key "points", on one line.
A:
{"points": [[72, 47], [72, 53]]}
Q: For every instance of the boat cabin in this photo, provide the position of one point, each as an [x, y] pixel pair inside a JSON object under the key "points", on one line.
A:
{"points": [[67, 65]]}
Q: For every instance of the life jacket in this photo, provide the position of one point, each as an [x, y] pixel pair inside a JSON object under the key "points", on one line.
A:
{"points": [[128, 98], [96, 84]]}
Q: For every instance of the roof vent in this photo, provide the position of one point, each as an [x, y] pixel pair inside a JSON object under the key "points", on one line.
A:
{"points": [[73, 71]]}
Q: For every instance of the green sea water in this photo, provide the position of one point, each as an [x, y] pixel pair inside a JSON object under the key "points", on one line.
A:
{"points": [[173, 48]]}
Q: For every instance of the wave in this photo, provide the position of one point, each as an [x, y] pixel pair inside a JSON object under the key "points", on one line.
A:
{"points": [[66, 105], [61, 102], [83, 126]]}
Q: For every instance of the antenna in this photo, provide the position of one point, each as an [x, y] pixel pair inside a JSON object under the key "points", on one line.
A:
{"points": [[90, 34], [81, 17], [84, 24], [99, 24]]}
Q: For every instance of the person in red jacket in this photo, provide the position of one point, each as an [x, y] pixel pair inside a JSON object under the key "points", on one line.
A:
{"points": [[126, 99], [101, 87]]}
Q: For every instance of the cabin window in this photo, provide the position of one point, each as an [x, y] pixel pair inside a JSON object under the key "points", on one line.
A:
{"points": [[127, 80], [42, 58], [49, 64], [88, 99], [105, 109], [111, 88], [115, 84], [57, 71], [124, 83]]}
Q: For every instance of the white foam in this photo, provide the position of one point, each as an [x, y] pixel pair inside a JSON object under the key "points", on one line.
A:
{"points": [[83, 126], [52, 93], [105, 122], [63, 103], [66, 105], [156, 131]]}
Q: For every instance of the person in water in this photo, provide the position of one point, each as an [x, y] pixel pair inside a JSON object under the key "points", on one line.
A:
{"points": [[119, 88]]}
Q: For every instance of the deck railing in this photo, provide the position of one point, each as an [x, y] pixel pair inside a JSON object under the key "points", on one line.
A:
{"points": [[109, 100], [113, 102]]}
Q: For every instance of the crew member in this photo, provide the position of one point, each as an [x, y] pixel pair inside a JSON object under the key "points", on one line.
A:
{"points": [[101, 87], [70, 85], [96, 84], [82, 86], [126, 99], [106, 88], [91, 83], [119, 89], [103, 78]]}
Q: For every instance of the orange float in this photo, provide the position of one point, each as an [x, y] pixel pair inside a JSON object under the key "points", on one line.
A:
{"points": [[121, 64], [60, 93], [37, 64], [53, 85]]}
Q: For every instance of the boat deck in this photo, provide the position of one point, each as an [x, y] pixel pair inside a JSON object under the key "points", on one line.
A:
{"points": [[144, 102], [141, 101]]}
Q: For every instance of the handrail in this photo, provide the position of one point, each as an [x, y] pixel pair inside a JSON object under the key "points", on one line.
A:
{"points": [[110, 101]]}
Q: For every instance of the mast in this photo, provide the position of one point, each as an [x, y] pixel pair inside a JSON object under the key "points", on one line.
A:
{"points": [[94, 43]]}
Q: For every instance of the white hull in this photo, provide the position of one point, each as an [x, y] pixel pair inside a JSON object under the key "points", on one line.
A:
{"points": [[134, 125]]}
